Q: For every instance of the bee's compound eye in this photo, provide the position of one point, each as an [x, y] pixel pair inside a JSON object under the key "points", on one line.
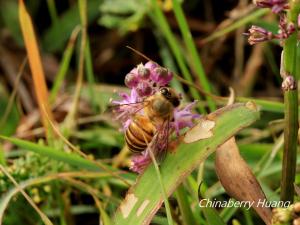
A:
{"points": [[164, 91]]}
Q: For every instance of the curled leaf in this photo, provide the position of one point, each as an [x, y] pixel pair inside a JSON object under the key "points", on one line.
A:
{"points": [[238, 180]]}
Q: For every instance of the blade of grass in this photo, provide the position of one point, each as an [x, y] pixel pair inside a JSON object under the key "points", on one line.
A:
{"points": [[140, 206], [2, 156], [65, 63], [103, 217], [35, 64], [56, 36], [69, 122], [9, 195], [90, 74], [43, 216], [163, 189], [82, 154], [247, 19], [161, 22], [13, 94], [248, 217], [195, 59], [52, 11], [69, 158], [212, 216], [184, 206], [228, 212]]}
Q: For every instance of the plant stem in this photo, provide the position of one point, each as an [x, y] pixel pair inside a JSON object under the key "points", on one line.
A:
{"points": [[52, 11], [192, 50], [290, 145], [291, 110]]}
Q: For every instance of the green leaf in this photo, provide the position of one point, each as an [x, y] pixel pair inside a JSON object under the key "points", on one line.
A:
{"points": [[101, 136], [11, 120], [58, 34], [123, 15], [235, 25], [9, 15], [144, 198], [212, 216], [69, 158]]}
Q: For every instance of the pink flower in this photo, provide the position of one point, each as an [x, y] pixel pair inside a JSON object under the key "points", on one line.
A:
{"points": [[184, 117], [126, 107], [276, 5], [144, 81], [140, 162], [258, 34]]}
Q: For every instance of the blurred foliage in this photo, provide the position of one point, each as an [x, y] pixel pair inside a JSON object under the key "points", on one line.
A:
{"points": [[112, 25]]}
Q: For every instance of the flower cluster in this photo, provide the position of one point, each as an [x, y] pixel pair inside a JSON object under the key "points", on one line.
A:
{"points": [[144, 81], [276, 5], [258, 34]]}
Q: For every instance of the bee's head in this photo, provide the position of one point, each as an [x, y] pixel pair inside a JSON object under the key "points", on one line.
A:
{"points": [[170, 95]]}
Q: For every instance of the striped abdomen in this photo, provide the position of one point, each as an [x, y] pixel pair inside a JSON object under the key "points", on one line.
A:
{"points": [[139, 134]]}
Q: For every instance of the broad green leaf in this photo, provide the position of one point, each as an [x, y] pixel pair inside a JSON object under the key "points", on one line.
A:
{"points": [[145, 198]]}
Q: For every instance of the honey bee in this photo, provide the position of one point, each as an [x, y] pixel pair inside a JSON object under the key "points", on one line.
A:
{"points": [[154, 122]]}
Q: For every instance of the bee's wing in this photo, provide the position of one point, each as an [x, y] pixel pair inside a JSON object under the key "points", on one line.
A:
{"points": [[160, 142], [122, 112]]}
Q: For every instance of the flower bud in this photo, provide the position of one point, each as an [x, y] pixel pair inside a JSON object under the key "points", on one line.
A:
{"points": [[258, 34], [143, 89], [275, 5], [151, 65], [131, 80], [143, 72], [161, 76], [289, 83]]}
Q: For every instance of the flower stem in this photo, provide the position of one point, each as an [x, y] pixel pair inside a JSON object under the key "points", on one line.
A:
{"points": [[290, 145], [291, 109], [163, 190]]}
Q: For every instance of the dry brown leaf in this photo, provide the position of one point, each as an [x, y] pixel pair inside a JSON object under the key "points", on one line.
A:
{"points": [[238, 180]]}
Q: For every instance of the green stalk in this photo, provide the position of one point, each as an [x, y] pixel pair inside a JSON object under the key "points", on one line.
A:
{"points": [[191, 47], [290, 110], [64, 65], [52, 11], [240, 22], [163, 189], [184, 206], [90, 73], [2, 156], [161, 22], [290, 145]]}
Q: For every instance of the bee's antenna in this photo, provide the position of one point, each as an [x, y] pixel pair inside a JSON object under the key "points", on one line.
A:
{"points": [[139, 53]]}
